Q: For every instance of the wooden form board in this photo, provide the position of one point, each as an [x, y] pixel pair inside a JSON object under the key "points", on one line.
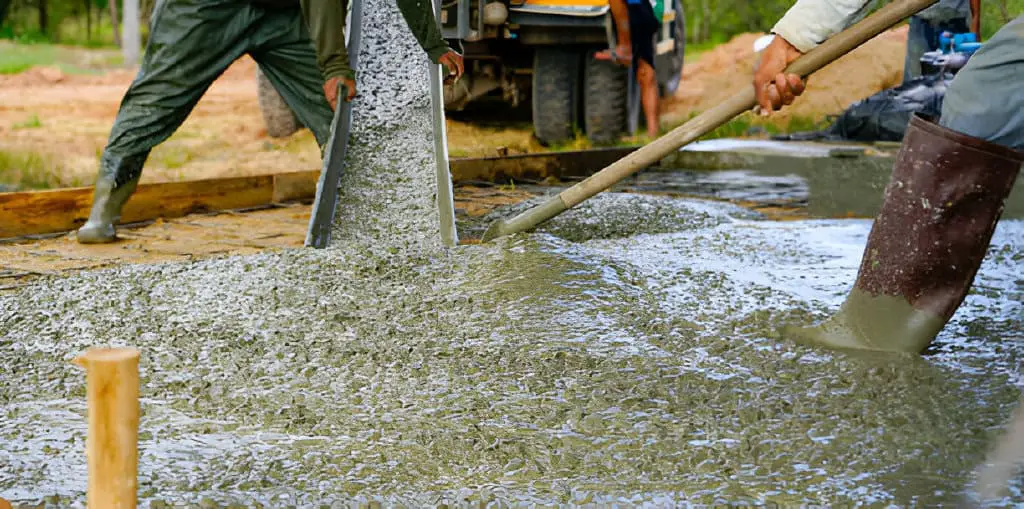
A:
{"points": [[62, 210]]}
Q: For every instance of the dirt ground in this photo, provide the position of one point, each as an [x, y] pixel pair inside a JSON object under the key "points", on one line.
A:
{"points": [[719, 73], [53, 125]]}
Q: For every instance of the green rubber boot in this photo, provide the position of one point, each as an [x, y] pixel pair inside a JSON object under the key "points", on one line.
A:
{"points": [[941, 206], [116, 182]]}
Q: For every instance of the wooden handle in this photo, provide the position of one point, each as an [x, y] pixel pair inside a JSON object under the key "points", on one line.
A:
{"points": [[112, 379]]}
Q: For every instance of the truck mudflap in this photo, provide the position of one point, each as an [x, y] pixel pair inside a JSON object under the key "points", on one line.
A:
{"points": [[575, 8]]}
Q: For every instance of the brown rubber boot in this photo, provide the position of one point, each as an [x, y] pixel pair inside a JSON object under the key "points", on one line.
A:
{"points": [[941, 206]]}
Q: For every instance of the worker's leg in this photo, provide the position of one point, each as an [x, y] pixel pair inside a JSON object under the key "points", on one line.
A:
{"points": [[623, 52], [643, 26], [191, 42], [940, 210], [648, 82], [285, 53]]}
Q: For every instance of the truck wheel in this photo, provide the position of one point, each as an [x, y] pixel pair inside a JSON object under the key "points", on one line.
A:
{"points": [[277, 116], [555, 94], [604, 100], [669, 67]]}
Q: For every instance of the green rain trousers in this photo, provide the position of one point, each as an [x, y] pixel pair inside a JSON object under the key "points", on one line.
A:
{"points": [[191, 43]]}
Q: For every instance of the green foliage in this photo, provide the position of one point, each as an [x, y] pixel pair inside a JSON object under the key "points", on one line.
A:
{"points": [[84, 23], [710, 22], [29, 170], [996, 13], [33, 122], [15, 58]]}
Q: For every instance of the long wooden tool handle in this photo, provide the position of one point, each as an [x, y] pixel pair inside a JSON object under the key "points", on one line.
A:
{"points": [[805, 65], [830, 50]]}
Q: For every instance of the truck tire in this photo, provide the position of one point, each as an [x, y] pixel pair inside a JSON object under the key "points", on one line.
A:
{"points": [[604, 100], [669, 67], [555, 94], [277, 116]]}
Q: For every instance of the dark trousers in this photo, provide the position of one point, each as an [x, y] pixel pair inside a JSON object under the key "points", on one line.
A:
{"points": [[191, 43]]}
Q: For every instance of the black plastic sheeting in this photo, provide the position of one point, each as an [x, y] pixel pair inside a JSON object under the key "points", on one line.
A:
{"points": [[885, 115]]}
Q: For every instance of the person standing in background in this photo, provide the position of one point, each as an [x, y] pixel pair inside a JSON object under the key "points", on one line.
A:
{"points": [[643, 19], [956, 16]]}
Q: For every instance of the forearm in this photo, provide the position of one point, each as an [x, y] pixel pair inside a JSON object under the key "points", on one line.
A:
{"points": [[326, 22], [419, 16], [810, 22]]}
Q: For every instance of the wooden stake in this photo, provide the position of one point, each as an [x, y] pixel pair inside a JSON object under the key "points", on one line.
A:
{"points": [[112, 376]]}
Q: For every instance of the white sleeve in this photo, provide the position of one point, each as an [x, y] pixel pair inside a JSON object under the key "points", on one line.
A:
{"points": [[810, 22]]}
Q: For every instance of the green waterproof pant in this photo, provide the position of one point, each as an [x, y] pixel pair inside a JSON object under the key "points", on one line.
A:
{"points": [[191, 43]]}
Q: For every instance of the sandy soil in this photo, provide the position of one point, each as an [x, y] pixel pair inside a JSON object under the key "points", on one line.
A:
{"points": [[57, 124], [720, 73]]}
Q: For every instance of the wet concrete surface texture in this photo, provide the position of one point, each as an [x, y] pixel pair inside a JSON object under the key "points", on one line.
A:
{"points": [[624, 353], [549, 368]]}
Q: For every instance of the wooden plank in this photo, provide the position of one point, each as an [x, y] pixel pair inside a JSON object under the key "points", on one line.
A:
{"points": [[296, 186], [28, 213], [62, 210]]}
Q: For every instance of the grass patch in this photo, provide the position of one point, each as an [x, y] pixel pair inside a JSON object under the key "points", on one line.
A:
{"points": [[33, 122], [750, 125], [18, 57], [578, 142], [21, 57], [172, 157], [31, 170]]}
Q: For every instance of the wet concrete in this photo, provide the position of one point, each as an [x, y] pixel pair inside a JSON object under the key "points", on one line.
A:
{"points": [[639, 369], [792, 173], [625, 353], [388, 188]]}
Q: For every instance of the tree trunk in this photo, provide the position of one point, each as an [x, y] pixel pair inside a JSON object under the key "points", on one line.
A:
{"points": [[1004, 11], [88, 20], [113, 21], [44, 21], [705, 20], [4, 5]]}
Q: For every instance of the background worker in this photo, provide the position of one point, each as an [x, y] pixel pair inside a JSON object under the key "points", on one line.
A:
{"points": [[643, 19], [192, 42], [925, 27], [945, 195]]}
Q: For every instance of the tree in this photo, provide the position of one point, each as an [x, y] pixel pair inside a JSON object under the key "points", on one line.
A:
{"points": [[44, 22], [113, 21], [4, 4]]}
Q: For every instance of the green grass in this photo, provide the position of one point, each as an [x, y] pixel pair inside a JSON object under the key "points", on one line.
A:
{"points": [[32, 123], [19, 57], [748, 124], [172, 157], [30, 170]]}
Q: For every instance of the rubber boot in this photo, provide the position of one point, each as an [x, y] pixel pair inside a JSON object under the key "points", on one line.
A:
{"points": [[116, 182], [941, 206]]}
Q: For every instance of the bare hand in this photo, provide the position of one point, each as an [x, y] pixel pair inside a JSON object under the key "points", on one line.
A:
{"points": [[331, 90], [453, 62], [772, 86]]}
